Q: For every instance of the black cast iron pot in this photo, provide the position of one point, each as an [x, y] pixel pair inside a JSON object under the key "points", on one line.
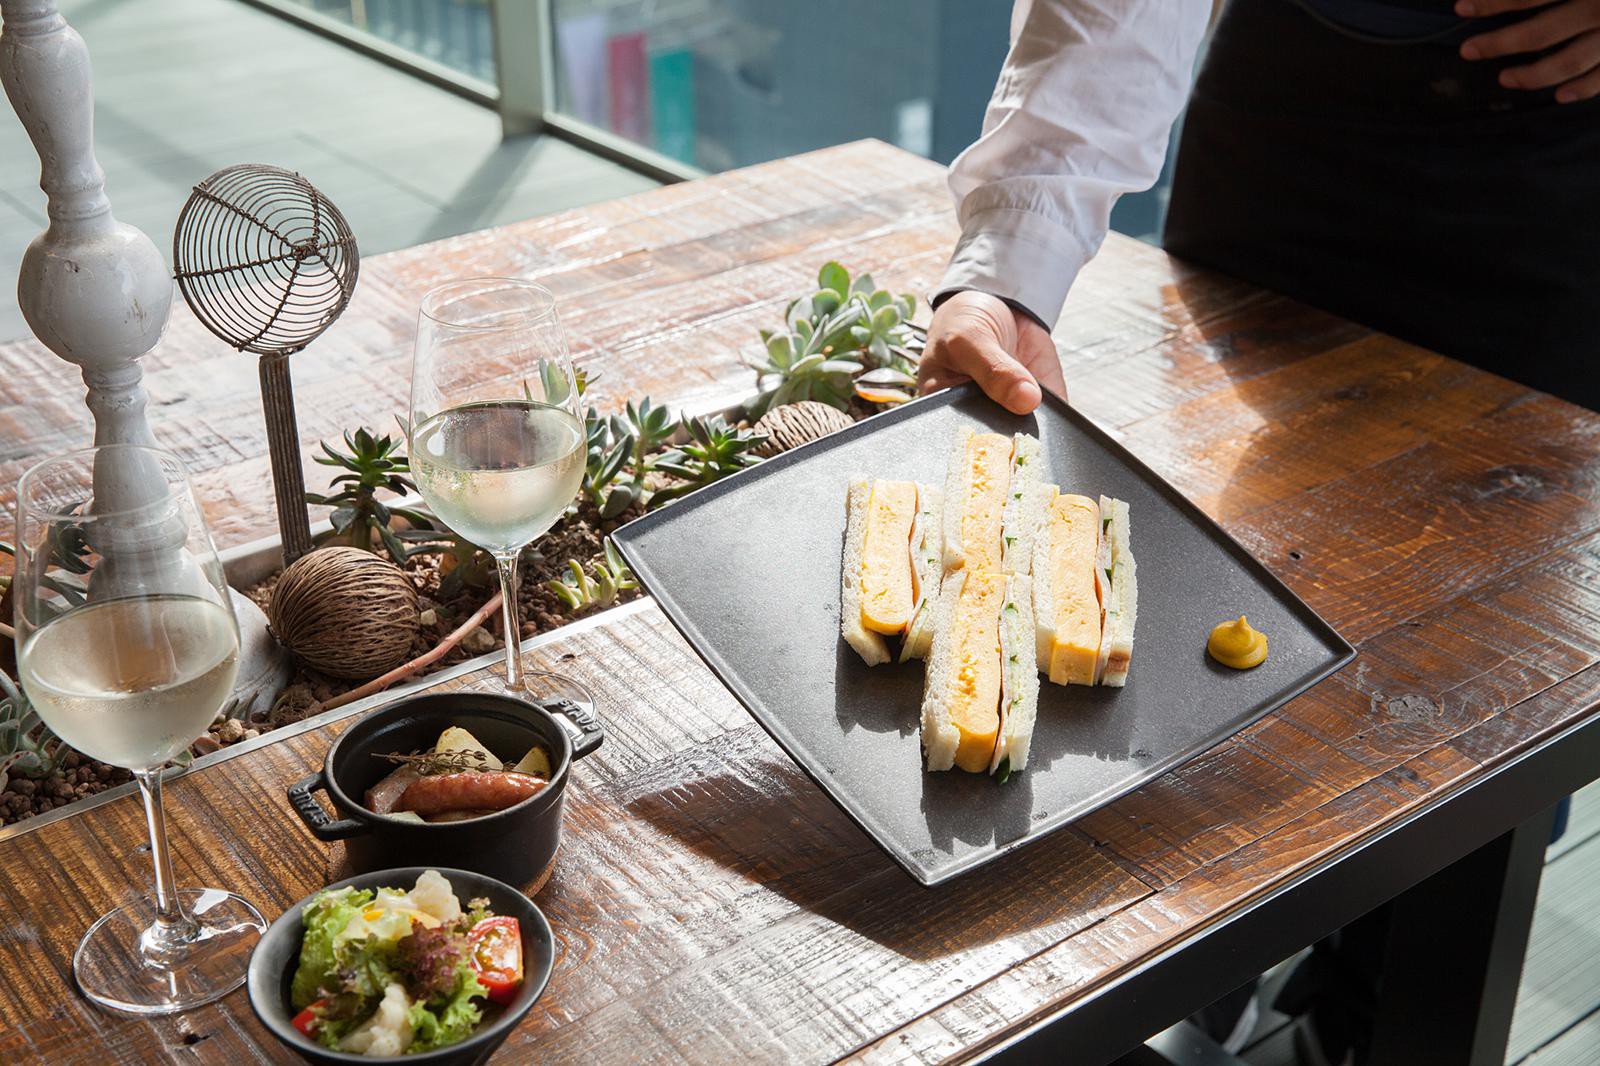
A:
{"points": [[515, 845]]}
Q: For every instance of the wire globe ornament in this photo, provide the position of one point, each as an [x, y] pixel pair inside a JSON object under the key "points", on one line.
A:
{"points": [[267, 263]]}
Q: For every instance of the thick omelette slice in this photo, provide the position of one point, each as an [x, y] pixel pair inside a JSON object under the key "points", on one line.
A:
{"points": [[975, 498], [887, 593], [974, 699], [1074, 531]]}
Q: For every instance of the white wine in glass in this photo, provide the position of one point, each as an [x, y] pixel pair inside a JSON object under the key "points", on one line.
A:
{"points": [[132, 682], [496, 437], [499, 472], [127, 648]]}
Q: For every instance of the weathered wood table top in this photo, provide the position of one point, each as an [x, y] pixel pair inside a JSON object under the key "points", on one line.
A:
{"points": [[710, 903]]}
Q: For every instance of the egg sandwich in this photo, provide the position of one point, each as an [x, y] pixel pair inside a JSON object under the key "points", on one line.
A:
{"points": [[998, 578], [891, 567]]}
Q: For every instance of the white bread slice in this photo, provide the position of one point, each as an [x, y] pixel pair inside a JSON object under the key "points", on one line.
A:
{"points": [[1122, 595], [927, 569], [1019, 677], [1043, 602], [869, 645], [1027, 496], [940, 737], [978, 471], [955, 491]]}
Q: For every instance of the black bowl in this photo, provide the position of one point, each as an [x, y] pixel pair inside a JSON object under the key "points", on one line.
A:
{"points": [[273, 963], [515, 845]]}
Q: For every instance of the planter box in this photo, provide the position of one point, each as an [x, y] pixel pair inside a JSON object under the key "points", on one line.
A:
{"points": [[248, 564]]}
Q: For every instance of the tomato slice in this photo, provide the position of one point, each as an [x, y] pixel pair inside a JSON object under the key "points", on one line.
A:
{"points": [[496, 945], [307, 1021]]}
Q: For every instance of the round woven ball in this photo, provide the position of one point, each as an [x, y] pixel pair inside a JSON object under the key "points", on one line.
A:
{"points": [[345, 612], [799, 423]]}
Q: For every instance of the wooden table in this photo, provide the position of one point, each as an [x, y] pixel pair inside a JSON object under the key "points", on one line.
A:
{"points": [[711, 905]]}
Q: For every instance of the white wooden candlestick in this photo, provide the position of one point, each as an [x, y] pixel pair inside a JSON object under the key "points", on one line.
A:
{"points": [[96, 291]]}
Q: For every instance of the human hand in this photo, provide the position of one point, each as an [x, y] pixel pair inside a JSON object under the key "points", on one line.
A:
{"points": [[1574, 24], [978, 337]]}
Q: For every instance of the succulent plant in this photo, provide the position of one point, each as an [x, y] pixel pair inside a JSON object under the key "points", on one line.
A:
{"points": [[607, 454], [553, 382], [713, 451], [66, 569], [372, 463], [650, 427], [27, 746], [577, 590], [847, 338], [622, 452]]}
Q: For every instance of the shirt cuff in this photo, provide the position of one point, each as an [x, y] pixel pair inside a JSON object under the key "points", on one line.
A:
{"points": [[1024, 258], [944, 294]]}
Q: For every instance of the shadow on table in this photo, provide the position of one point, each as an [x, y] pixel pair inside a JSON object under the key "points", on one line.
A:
{"points": [[1077, 721], [883, 699], [772, 825]]}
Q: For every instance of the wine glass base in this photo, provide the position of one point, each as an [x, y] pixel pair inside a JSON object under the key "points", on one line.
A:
{"points": [[114, 973], [538, 685], [548, 685]]}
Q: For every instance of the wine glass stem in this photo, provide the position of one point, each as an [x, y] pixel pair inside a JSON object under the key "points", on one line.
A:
{"points": [[172, 927], [507, 564]]}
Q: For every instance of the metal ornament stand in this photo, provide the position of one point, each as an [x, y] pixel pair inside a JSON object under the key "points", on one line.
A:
{"points": [[95, 291], [283, 445]]}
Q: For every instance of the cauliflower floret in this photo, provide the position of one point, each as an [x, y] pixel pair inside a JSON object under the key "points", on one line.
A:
{"points": [[433, 895], [388, 1031]]}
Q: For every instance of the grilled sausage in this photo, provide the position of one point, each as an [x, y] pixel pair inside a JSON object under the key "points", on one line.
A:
{"points": [[486, 790]]}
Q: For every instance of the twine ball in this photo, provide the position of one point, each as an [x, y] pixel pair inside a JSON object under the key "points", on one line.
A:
{"points": [[798, 423], [345, 612]]}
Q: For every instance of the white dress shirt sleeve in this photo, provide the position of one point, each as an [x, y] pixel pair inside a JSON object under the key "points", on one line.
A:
{"points": [[1080, 115]]}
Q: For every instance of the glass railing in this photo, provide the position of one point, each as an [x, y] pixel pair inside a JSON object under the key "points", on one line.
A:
{"points": [[723, 83], [674, 88], [457, 34]]}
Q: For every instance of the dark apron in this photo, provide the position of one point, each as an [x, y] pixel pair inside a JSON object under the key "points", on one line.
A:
{"points": [[1397, 185]]}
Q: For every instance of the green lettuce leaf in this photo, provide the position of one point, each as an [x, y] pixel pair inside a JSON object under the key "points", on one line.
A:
{"points": [[455, 1020], [325, 917]]}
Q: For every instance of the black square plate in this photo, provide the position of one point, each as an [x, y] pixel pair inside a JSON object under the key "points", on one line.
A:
{"points": [[748, 570]]}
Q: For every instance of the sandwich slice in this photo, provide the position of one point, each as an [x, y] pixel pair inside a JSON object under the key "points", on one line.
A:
{"points": [[1027, 496], [927, 568], [868, 644], [1121, 600], [961, 696], [976, 480], [1066, 590], [1019, 678]]}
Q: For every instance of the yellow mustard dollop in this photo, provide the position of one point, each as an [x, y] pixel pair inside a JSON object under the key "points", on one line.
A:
{"points": [[1237, 645]]}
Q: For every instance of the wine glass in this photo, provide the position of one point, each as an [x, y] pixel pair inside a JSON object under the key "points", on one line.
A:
{"points": [[127, 648], [496, 435]]}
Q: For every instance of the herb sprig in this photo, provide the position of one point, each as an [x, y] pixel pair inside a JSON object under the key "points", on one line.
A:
{"points": [[429, 763]]}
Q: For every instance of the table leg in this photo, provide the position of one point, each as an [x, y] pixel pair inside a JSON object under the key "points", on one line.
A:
{"points": [[1451, 951]]}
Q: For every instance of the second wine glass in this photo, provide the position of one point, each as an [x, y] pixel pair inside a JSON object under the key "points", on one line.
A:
{"points": [[496, 435], [127, 647]]}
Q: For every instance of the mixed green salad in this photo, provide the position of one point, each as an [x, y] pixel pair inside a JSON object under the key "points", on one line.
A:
{"points": [[393, 972]]}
